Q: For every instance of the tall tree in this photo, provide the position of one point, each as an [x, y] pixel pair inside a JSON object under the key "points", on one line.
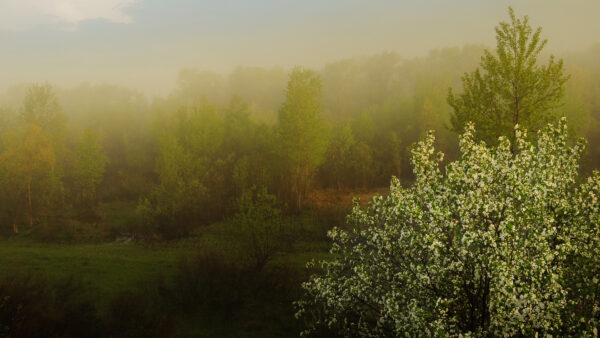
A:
{"points": [[302, 133], [510, 87], [175, 204], [41, 107], [337, 166], [362, 164], [28, 164], [90, 164]]}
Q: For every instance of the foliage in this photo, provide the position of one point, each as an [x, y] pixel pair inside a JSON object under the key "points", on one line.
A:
{"points": [[41, 107], [191, 159], [362, 164], [206, 159], [261, 226], [90, 164], [35, 307], [66, 231], [501, 244], [40, 307], [136, 314], [172, 208], [209, 281], [583, 98], [336, 167], [28, 174], [121, 119], [302, 134], [511, 88], [222, 289], [128, 276]]}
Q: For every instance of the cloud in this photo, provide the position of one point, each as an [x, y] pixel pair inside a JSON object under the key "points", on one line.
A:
{"points": [[26, 14]]}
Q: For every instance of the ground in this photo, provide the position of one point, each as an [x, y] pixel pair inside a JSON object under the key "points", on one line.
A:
{"points": [[110, 268]]}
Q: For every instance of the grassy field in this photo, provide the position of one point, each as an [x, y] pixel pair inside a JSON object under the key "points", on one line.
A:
{"points": [[111, 268], [239, 301], [115, 266]]}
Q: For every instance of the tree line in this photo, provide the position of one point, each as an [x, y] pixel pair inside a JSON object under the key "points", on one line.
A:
{"points": [[188, 158]]}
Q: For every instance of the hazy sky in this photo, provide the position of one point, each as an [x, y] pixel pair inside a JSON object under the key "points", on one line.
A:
{"points": [[143, 43]]}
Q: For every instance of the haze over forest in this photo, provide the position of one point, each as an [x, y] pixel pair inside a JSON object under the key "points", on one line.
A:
{"points": [[143, 44], [270, 168]]}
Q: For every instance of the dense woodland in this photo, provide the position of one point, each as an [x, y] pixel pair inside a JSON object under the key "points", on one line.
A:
{"points": [[189, 157]]}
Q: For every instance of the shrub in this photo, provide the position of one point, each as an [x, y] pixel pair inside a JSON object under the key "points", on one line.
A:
{"points": [[260, 226], [65, 230], [35, 307], [209, 282], [139, 314], [168, 221], [224, 291]]}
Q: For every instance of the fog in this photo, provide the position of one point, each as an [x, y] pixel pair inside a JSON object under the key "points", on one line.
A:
{"points": [[170, 168], [144, 44]]}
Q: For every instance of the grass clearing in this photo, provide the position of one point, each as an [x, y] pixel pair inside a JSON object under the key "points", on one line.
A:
{"points": [[113, 267], [108, 268]]}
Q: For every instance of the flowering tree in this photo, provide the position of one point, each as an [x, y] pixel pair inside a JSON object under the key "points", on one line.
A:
{"points": [[502, 244]]}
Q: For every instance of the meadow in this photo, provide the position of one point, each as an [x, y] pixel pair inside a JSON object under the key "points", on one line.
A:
{"points": [[255, 303]]}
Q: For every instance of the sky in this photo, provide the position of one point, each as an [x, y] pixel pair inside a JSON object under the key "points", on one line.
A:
{"points": [[144, 43]]}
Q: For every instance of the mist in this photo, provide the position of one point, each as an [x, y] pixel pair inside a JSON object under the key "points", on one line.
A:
{"points": [[279, 168], [144, 44]]}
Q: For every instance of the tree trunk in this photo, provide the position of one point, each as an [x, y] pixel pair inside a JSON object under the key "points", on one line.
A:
{"points": [[30, 204]]}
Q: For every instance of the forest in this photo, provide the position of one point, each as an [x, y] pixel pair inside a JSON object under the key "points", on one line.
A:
{"points": [[196, 213]]}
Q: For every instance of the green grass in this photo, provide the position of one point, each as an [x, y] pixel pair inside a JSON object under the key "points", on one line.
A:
{"points": [[113, 267], [110, 268]]}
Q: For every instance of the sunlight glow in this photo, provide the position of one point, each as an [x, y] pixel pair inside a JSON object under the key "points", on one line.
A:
{"points": [[26, 14]]}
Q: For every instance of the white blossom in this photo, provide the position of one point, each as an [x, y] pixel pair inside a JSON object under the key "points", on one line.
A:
{"points": [[501, 243]]}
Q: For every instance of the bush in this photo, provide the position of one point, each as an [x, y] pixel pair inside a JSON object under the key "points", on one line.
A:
{"points": [[260, 226], [35, 307], [504, 243], [168, 221], [221, 288], [210, 282], [139, 314], [65, 230]]}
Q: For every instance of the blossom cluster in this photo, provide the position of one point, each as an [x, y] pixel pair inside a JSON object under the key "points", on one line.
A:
{"points": [[503, 241]]}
